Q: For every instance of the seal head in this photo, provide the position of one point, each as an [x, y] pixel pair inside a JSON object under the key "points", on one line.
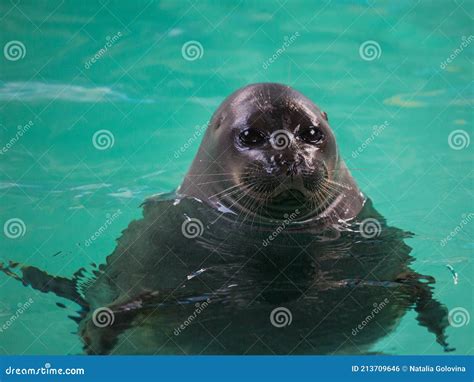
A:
{"points": [[269, 151]]}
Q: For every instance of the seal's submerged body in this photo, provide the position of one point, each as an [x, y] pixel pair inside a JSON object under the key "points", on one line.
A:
{"points": [[268, 247]]}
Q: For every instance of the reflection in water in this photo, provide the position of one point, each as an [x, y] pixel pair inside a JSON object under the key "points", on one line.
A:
{"points": [[40, 91], [190, 279]]}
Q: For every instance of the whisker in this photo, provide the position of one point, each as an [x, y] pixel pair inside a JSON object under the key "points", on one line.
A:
{"points": [[206, 174], [237, 187], [214, 181], [332, 182]]}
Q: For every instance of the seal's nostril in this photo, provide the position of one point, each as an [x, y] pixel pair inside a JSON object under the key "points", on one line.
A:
{"points": [[299, 160], [292, 169], [295, 168]]}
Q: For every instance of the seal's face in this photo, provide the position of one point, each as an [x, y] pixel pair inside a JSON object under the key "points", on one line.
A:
{"points": [[285, 153], [269, 151]]}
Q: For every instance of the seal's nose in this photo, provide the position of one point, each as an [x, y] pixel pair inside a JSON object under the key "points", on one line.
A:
{"points": [[292, 169], [289, 163]]}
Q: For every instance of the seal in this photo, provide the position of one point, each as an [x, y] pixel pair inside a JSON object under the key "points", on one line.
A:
{"points": [[269, 150], [193, 276]]}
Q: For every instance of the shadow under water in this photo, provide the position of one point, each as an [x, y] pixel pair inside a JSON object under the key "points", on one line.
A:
{"points": [[189, 279]]}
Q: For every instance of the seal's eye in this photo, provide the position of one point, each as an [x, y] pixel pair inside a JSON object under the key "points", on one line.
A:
{"points": [[311, 135], [251, 137]]}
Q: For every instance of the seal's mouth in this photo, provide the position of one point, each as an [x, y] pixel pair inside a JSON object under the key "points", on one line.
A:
{"points": [[284, 202], [274, 194], [275, 190], [288, 196]]}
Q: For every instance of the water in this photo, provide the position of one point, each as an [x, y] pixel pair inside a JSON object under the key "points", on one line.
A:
{"points": [[151, 99]]}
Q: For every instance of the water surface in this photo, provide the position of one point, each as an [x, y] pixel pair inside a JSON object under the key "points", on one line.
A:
{"points": [[153, 98]]}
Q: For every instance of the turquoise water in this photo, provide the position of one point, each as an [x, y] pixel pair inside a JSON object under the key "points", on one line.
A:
{"points": [[417, 88]]}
